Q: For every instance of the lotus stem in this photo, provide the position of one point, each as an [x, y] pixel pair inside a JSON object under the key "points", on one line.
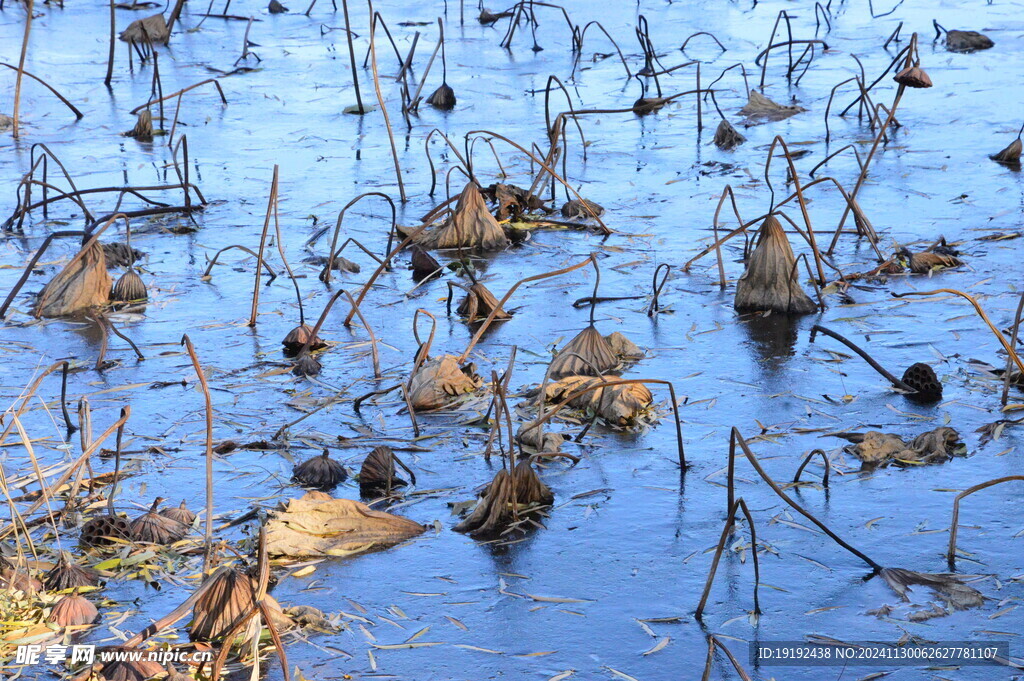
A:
{"points": [[260, 261], [208, 550], [954, 524], [1013, 344], [271, 202], [380, 101], [325, 275], [730, 522], [29, 5], [807, 460], [182, 91]]}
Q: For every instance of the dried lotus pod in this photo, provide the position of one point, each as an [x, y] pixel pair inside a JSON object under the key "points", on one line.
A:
{"points": [[306, 365], [143, 129], [470, 226], [770, 282], [423, 264], [230, 595], [153, 528], [443, 98], [1010, 155], [129, 287], [585, 355], [105, 530], [121, 668], [923, 380], [478, 305], [152, 29], [576, 209], [913, 76], [377, 474], [321, 472], [180, 514], [67, 574], [83, 283], [73, 611], [297, 339], [967, 41], [505, 500], [727, 137]]}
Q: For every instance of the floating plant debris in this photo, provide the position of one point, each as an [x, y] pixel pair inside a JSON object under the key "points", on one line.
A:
{"points": [[771, 282], [876, 448], [320, 472], [506, 501]]}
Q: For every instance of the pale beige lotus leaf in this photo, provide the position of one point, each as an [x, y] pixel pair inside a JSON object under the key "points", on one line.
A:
{"points": [[585, 355], [470, 226], [479, 303], [506, 500], [771, 282], [318, 525], [620, 405], [760, 108], [147, 30], [875, 448], [439, 381], [83, 283]]}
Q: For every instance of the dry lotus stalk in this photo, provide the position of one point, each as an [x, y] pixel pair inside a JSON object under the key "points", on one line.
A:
{"points": [[317, 525], [619, 405], [83, 283], [967, 41], [577, 210], [479, 303], [180, 514], [926, 261], [469, 226], [586, 354], [438, 381], [1010, 155], [727, 137], [877, 448], [73, 611], [153, 528], [143, 126], [148, 30], [321, 472], [770, 281], [913, 76], [297, 339], [760, 108], [377, 473], [124, 670], [505, 500], [67, 574]]}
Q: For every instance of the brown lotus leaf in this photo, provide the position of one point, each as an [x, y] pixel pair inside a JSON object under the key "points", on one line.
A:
{"points": [[321, 472], [760, 108], [317, 526], [585, 355], [339, 263], [147, 30], [67, 574], [439, 381], [967, 41], [619, 405], [125, 670], [648, 105], [877, 448], [154, 528], [927, 261], [623, 347], [1011, 154], [470, 225], [73, 610], [377, 474], [479, 303], [129, 287], [306, 365], [276, 7], [143, 126], [913, 76], [230, 595], [104, 530], [505, 500], [442, 98], [6, 122], [118, 254], [771, 282], [180, 514], [538, 440], [577, 209], [423, 264], [83, 283], [18, 580], [948, 587], [727, 137], [513, 201], [306, 616], [297, 339]]}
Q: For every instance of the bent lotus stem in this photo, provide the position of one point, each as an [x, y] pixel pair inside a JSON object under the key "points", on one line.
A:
{"points": [[325, 275], [954, 523], [28, 393], [504, 299], [897, 383], [64, 100], [657, 287], [180, 92], [544, 418], [271, 202], [807, 460], [730, 523], [1013, 343], [735, 438], [260, 261], [981, 313], [64, 397], [800, 198], [208, 550], [712, 642], [579, 48]]}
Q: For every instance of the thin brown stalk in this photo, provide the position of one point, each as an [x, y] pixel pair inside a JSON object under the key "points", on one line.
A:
{"points": [[29, 5], [807, 460], [730, 523], [187, 342], [271, 202], [1009, 361], [954, 523], [383, 107]]}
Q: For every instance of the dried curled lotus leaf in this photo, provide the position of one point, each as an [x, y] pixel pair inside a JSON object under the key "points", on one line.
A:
{"points": [[143, 126], [148, 30], [589, 352], [759, 107], [577, 209], [925, 262], [443, 98], [523, 492], [378, 471], [948, 587], [83, 283], [439, 380], [619, 405], [73, 611], [539, 441], [1011, 154], [297, 339], [320, 471], [128, 670], [479, 303], [129, 287], [18, 580], [727, 137], [623, 347], [67, 574], [913, 76], [967, 41], [180, 514], [470, 225], [877, 447], [314, 526], [770, 282], [228, 597]]}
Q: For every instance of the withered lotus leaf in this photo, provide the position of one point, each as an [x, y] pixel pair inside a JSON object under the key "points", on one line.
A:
{"points": [[18, 580], [913, 76], [586, 354], [623, 347], [306, 365], [180, 514], [118, 254], [505, 500], [877, 448], [129, 287], [151, 29], [423, 264], [317, 525], [576, 209], [1010, 155], [771, 282], [83, 283], [967, 41], [154, 528], [948, 587], [470, 225], [377, 473], [443, 98], [619, 405], [276, 7], [321, 472], [128, 670], [229, 596], [297, 339], [513, 201], [648, 105], [143, 126], [760, 108], [927, 261], [73, 610], [439, 381], [727, 137], [479, 303], [67, 574], [539, 441]]}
